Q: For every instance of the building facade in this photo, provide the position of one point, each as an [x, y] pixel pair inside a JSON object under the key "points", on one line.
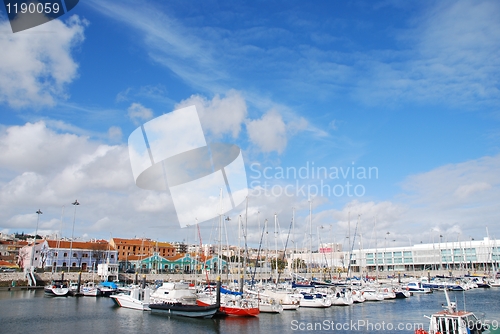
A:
{"points": [[60, 255], [472, 255]]}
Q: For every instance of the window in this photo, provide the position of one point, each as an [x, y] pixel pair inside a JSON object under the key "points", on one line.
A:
{"points": [[65, 254]]}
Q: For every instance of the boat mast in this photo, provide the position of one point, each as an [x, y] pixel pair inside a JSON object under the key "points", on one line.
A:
{"points": [[310, 236], [276, 245], [246, 246], [219, 266]]}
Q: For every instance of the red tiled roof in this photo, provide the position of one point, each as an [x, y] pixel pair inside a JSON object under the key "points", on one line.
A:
{"points": [[8, 264], [99, 245]]}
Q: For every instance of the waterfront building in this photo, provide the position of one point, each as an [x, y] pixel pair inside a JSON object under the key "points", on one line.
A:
{"points": [[59, 255], [186, 263], [472, 256], [132, 250], [9, 250], [468, 256]]}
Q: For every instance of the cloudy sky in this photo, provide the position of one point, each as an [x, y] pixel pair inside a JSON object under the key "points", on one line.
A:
{"points": [[381, 116]]}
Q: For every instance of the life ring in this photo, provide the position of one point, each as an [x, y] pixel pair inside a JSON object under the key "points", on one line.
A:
{"points": [[385, 290], [422, 331]]}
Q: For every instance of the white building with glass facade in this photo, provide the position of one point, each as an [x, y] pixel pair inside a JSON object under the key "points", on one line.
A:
{"points": [[472, 255]]}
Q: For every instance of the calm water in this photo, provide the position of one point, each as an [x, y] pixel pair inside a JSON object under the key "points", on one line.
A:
{"points": [[31, 311]]}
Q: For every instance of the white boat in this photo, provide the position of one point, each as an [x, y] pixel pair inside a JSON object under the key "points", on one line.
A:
{"points": [[417, 287], [357, 296], [265, 302], [402, 293], [269, 305], [372, 295], [174, 292], [315, 300], [452, 321], [495, 283], [387, 292], [135, 298], [288, 300], [57, 288], [90, 289], [342, 297]]}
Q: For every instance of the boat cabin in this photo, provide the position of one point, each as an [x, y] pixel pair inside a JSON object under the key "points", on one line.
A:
{"points": [[459, 322]]}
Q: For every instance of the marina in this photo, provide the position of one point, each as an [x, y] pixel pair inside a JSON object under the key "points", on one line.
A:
{"points": [[22, 308]]}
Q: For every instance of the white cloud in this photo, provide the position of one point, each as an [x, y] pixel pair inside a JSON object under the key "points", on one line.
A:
{"points": [[138, 113], [448, 58], [470, 189], [268, 133], [98, 175], [36, 64], [33, 147], [115, 134], [450, 186], [220, 115]]}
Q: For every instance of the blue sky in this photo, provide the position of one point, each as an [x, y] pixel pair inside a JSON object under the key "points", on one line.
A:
{"points": [[409, 89]]}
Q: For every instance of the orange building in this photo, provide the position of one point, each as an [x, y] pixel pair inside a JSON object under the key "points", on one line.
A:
{"points": [[138, 249]]}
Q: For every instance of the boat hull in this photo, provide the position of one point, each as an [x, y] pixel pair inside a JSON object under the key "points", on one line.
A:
{"points": [[127, 301], [56, 292], [191, 311], [234, 311]]}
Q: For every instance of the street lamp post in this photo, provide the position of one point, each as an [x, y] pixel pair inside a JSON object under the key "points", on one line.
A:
{"points": [[75, 204], [34, 242]]}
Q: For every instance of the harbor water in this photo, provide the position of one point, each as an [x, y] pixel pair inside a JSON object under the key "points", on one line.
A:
{"points": [[25, 311]]}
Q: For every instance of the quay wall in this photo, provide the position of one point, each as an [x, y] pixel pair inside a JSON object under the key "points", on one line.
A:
{"points": [[7, 278]]}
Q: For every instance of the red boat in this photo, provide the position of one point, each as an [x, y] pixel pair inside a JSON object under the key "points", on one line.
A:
{"points": [[236, 308]]}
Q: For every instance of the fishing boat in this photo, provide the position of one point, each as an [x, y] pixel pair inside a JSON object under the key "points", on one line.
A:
{"points": [[57, 288], [452, 321]]}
